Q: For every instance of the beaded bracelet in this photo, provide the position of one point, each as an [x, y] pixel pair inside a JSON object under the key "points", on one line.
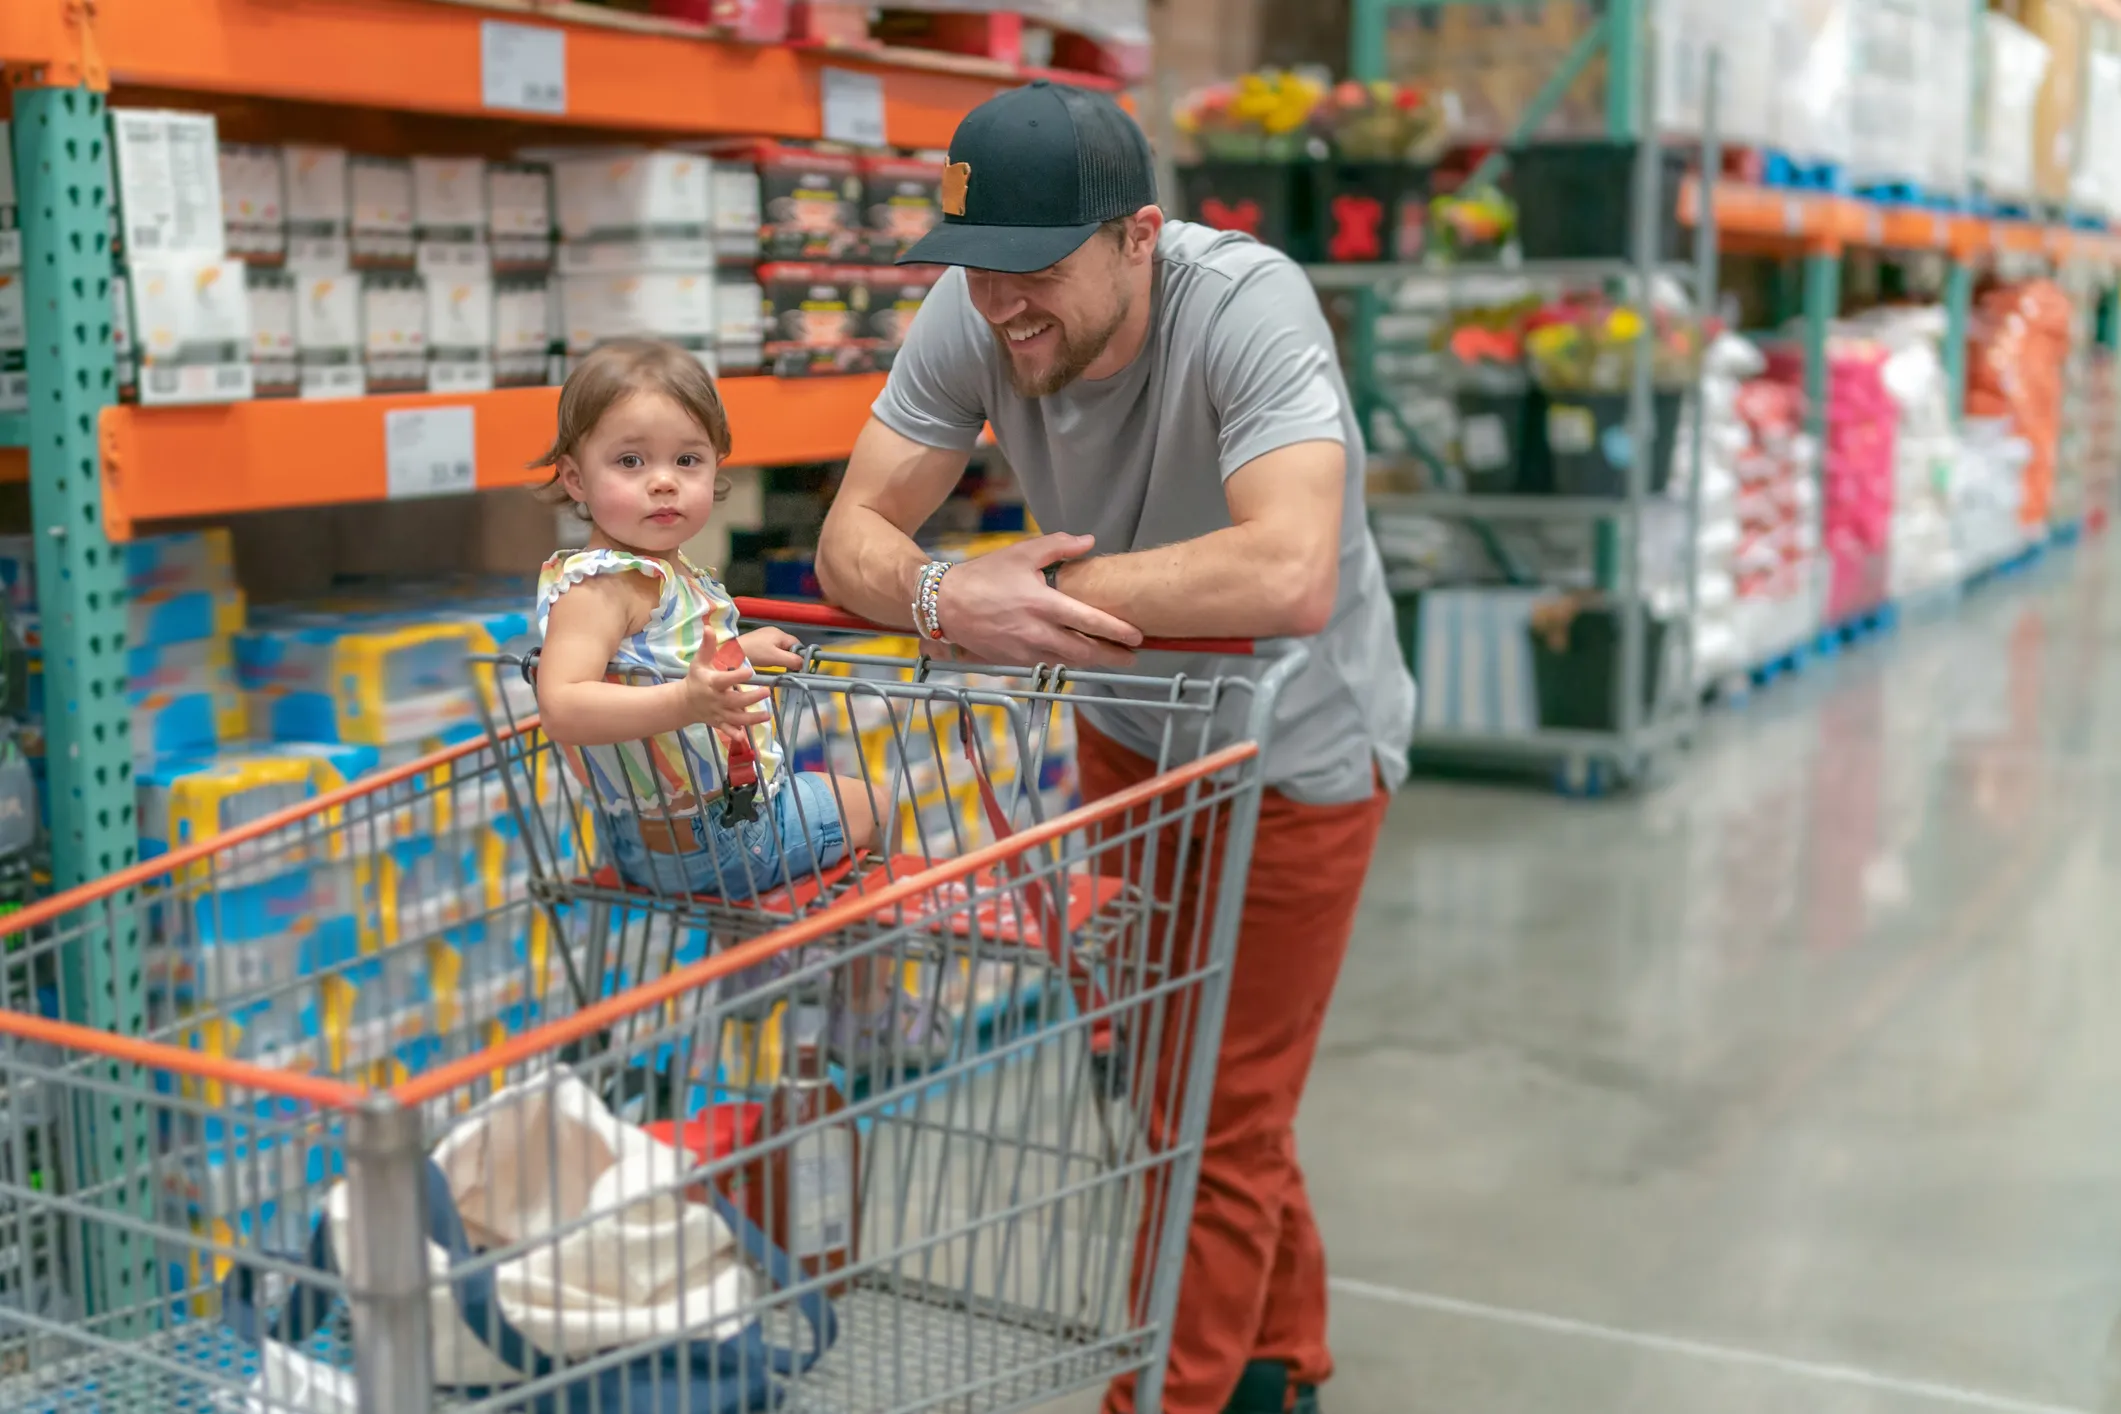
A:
{"points": [[927, 600]]}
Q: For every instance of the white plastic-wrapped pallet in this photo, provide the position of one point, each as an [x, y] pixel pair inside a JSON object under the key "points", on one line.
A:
{"points": [[1888, 91], [2017, 66], [1688, 31], [1947, 117], [2096, 186], [1810, 101], [1921, 554]]}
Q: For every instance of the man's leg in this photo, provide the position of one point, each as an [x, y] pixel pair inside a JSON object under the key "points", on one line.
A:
{"points": [[1299, 908]]}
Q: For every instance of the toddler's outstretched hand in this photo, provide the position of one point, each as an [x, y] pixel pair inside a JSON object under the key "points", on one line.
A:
{"points": [[772, 648], [716, 689]]}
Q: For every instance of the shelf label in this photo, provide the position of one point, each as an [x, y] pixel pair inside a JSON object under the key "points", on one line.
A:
{"points": [[854, 107], [523, 67], [428, 452]]}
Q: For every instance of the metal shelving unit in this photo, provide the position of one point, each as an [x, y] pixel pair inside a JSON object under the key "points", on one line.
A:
{"points": [[1644, 733], [94, 467], [1817, 229]]}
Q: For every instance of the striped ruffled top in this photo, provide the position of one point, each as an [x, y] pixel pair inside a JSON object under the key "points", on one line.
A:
{"points": [[664, 773]]}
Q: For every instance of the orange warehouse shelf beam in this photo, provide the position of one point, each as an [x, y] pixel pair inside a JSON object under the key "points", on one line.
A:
{"points": [[174, 463], [423, 57]]}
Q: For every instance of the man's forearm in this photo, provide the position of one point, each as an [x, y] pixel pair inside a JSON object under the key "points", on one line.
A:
{"points": [[1234, 583], [868, 566]]}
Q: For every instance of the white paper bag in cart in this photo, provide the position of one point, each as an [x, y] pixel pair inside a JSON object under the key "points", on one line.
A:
{"points": [[541, 1155]]}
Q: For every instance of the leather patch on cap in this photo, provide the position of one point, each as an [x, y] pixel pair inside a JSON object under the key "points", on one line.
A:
{"points": [[956, 177]]}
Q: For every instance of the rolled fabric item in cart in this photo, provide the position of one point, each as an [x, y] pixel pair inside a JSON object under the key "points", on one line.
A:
{"points": [[646, 1265]]}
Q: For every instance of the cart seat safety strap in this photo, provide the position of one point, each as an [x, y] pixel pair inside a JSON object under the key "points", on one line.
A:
{"points": [[1052, 922]]}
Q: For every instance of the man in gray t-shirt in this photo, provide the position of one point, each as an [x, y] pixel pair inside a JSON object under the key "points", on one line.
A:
{"points": [[1169, 398]]}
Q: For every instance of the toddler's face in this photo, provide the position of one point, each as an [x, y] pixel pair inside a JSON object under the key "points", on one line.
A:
{"points": [[646, 473]]}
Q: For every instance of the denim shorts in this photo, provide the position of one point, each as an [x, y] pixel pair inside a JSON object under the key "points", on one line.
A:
{"points": [[798, 831]]}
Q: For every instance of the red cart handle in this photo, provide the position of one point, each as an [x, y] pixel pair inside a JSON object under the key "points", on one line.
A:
{"points": [[816, 615]]}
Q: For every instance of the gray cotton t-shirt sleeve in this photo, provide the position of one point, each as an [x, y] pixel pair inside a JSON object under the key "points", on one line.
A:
{"points": [[933, 395], [1271, 367]]}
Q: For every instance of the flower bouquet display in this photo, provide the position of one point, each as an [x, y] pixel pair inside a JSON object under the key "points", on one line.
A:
{"points": [[1582, 356], [1255, 140], [1370, 194]]}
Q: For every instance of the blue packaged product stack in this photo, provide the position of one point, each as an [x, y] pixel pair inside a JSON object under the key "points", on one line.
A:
{"points": [[183, 612]]}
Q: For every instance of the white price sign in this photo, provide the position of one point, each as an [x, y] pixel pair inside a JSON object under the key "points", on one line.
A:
{"points": [[429, 452], [854, 107], [523, 67]]}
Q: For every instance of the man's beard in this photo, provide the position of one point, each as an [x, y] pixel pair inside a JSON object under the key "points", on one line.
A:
{"points": [[1076, 355]]}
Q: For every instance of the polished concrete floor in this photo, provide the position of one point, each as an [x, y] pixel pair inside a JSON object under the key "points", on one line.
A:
{"points": [[1791, 1088]]}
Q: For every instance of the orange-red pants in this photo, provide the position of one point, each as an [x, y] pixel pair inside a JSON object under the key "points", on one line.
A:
{"points": [[1254, 1280]]}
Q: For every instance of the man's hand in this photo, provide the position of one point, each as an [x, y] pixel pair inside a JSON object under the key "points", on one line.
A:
{"points": [[772, 648], [716, 693], [999, 609]]}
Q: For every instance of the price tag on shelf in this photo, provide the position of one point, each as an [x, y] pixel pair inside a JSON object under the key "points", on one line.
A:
{"points": [[522, 67], [429, 452], [854, 107]]}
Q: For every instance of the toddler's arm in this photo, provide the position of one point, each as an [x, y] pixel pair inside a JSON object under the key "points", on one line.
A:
{"points": [[583, 630]]}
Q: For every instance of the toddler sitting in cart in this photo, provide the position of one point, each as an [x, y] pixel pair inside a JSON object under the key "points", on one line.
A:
{"points": [[644, 681]]}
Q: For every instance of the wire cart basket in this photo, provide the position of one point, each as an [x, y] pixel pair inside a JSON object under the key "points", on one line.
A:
{"points": [[437, 1106]]}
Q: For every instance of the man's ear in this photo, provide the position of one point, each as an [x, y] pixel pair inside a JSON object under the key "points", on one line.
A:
{"points": [[1143, 231]]}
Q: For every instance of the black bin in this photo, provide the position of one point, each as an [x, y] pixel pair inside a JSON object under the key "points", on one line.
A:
{"points": [[1267, 200], [1502, 442], [1369, 211], [1575, 684], [1588, 442], [1575, 201]]}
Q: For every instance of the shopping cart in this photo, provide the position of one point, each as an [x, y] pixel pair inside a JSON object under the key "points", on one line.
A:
{"points": [[237, 1208]]}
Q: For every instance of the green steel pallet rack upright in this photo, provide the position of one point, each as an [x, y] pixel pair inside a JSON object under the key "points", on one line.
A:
{"points": [[63, 170]]}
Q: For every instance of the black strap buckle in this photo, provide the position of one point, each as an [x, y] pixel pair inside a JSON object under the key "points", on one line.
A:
{"points": [[740, 804]]}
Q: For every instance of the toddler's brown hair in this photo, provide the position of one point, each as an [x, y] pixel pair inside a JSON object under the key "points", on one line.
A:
{"points": [[615, 371]]}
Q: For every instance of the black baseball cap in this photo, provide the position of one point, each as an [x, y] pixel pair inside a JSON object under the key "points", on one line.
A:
{"points": [[1033, 172]]}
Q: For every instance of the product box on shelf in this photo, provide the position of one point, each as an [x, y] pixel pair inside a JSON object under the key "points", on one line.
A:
{"points": [[356, 679], [157, 567], [10, 213], [895, 296], [633, 212], [519, 213], [669, 305], [328, 345], [181, 698], [161, 617], [394, 331], [191, 329], [319, 213], [2064, 26], [522, 331], [901, 202], [14, 344], [816, 319], [737, 212], [379, 195], [169, 183], [276, 370], [253, 202], [812, 203], [460, 353], [181, 562], [186, 801], [125, 357], [449, 217], [739, 314]]}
